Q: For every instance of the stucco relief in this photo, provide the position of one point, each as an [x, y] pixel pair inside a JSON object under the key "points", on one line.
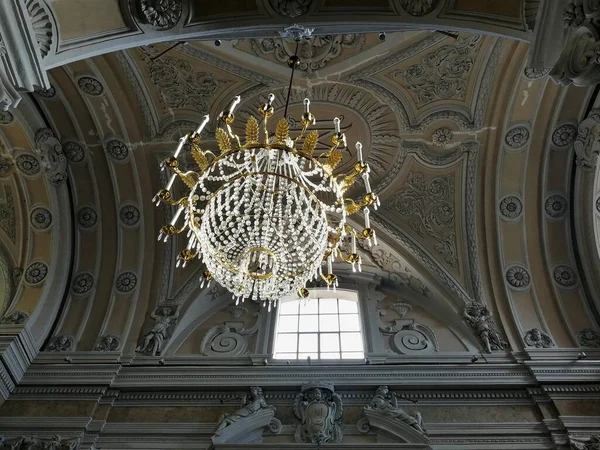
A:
{"points": [[409, 337], [580, 59], [180, 85], [8, 222], [161, 14], [60, 343], [251, 405], [386, 403], [538, 339], [442, 74], [15, 318], [165, 319], [108, 343], [589, 338], [479, 318], [51, 155], [34, 443], [587, 144], [228, 339], [593, 443], [399, 274], [314, 54], [42, 25], [319, 410], [290, 8], [427, 204], [419, 7]]}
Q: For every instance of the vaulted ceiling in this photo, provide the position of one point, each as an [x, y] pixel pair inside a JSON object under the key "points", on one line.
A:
{"points": [[471, 153]]}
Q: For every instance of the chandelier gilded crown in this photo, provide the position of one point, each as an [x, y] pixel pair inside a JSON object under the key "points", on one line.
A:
{"points": [[266, 214]]}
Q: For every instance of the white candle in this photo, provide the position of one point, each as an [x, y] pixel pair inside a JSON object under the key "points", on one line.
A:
{"points": [[336, 123], [329, 263], [367, 183], [202, 125], [306, 105], [236, 100], [177, 214], [359, 152], [171, 181], [182, 142], [353, 243], [367, 220], [270, 100]]}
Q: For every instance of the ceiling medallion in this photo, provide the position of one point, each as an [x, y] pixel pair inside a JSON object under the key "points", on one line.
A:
{"points": [[265, 215]]}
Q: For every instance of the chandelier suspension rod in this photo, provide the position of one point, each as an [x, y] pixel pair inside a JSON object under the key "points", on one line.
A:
{"points": [[293, 61]]}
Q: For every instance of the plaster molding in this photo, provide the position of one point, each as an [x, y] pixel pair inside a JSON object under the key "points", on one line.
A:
{"points": [[21, 66]]}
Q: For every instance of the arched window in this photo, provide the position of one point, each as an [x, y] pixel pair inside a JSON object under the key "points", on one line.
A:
{"points": [[325, 326]]}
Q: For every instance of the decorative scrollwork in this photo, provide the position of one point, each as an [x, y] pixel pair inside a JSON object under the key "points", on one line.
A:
{"points": [[427, 205]]}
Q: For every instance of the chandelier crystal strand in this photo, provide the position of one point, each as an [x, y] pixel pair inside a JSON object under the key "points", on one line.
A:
{"points": [[264, 215]]}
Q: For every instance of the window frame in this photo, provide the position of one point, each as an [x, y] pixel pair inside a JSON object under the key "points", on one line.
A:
{"points": [[315, 294]]}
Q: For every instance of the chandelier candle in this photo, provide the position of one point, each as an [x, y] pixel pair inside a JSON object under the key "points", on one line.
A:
{"points": [[264, 215]]}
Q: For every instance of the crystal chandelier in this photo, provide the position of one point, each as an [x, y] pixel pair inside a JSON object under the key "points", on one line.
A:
{"points": [[265, 213]]}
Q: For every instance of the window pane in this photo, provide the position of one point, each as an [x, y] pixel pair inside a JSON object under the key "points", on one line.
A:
{"points": [[328, 306], [289, 324], [348, 306], [330, 356], [286, 343], [305, 355], [330, 342], [309, 306], [308, 343], [289, 307], [309, 323], [352, 342], [349, 322], [353, 355], [285, 356], [329, 323]]}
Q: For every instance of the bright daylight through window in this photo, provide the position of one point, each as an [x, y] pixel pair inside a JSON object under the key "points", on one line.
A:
{"points": [[322, 328]]}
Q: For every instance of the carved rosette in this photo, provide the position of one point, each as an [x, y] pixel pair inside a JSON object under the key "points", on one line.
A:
{"points": [[161, 14]]}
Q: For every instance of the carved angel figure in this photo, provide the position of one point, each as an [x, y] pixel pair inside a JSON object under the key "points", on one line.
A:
{"points": [[387, 403], [480, 320], [154, 340], [250, 406], [320, 410]]}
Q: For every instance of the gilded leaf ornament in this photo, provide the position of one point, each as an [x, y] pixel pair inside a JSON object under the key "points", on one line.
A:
{"points": [[223, 140], [282, 131], [251, 131], [310, 143], [199, 157], [334, 158]]}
